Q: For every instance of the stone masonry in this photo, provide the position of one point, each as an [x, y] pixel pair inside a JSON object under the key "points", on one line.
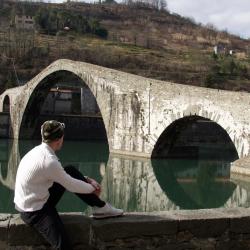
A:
{"points": [[208, 229], [136, 110]]}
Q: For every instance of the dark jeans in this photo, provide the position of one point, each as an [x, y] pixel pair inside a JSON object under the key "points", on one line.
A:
{"points": [[47, 220]]}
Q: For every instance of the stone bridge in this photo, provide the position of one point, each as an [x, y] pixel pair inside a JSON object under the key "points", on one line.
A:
{"points": [[137, 110]]}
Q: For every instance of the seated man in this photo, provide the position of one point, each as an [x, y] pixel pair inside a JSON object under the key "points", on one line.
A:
{"points": [[41, 181]]}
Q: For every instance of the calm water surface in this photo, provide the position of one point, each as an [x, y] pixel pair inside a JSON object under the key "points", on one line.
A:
{"points": [[133, 184]]}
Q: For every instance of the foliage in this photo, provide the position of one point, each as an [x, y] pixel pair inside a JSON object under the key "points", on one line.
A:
{"points": [[109, 2], [225, 68], [155, 4], [143, 40], [52, 21]]}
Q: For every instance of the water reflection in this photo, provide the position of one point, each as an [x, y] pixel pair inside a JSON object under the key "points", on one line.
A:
{"points": [[195, 184], [134, 184]]}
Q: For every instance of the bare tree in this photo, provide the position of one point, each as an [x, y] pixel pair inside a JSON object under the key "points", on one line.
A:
{"points": [[163, 5]]}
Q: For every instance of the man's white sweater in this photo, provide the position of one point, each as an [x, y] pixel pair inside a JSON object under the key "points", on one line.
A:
{"points": [[37, 172]]}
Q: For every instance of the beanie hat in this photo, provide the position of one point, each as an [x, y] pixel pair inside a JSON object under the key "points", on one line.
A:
{"points": [[52, 130]]}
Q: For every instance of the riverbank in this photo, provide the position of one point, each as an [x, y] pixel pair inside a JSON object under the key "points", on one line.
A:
{"points": [[208, 229]]}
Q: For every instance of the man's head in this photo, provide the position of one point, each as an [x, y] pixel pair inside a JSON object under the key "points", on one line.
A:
{"points": [[52, 131]]}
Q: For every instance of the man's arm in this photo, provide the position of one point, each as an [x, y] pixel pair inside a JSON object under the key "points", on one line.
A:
{"points": [[57, 174]]}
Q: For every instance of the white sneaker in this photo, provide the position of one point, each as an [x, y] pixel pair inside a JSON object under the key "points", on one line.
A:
{"points": [[106, 212]]}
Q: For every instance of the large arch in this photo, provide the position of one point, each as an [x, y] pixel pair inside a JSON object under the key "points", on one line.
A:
{"points": [[34, 115], [103, 92]]}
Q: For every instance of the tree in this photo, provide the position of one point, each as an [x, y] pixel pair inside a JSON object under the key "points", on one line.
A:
{"points": [[163, 5], [110, 2]]}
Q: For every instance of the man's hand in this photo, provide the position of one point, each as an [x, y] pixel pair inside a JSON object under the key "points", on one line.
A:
{"points": [[96, 185]]}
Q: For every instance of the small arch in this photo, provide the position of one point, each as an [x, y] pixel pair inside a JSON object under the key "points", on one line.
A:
{"points": [[5, 121], [6, 104], [195, 137]]}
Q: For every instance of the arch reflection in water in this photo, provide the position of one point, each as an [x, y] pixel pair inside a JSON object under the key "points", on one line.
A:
{"points": [[133, 184], [88, 157], [195, 184], [142, 185]]}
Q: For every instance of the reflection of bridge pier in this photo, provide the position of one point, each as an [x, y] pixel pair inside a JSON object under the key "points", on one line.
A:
{"points": [[132, 185], [8, 179], [241, 195]]}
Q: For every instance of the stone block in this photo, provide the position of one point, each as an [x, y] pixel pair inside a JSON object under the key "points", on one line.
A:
{"points": [[240, 225], [133, 225], [203, 223], [21, 234], [77, 226], [233, 212], [3, 245], [239, 221], [231, 245], [4, 224]]}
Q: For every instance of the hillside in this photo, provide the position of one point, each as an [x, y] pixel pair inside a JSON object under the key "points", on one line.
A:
{"points": [[139, 39]]}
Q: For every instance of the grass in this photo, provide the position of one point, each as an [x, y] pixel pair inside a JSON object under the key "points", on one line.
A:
{"points": [[188, 66]]}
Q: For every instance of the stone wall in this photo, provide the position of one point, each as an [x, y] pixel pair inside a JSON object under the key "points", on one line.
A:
{"points": [[208, 229]]}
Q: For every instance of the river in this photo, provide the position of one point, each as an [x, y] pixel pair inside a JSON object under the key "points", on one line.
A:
{"points": [[133, 184]]}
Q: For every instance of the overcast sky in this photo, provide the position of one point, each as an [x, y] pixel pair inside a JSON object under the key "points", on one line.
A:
{"points": [[232, 15]]}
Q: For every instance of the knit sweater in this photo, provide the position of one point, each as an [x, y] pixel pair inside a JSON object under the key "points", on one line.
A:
{"points": [[37, 172]]}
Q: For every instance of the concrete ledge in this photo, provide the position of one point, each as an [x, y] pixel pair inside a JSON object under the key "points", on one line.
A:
{"points": [[183, 229], [241, 167]]}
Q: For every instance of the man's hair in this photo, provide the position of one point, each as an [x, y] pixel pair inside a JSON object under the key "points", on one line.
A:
{"points": [[52, 130]]}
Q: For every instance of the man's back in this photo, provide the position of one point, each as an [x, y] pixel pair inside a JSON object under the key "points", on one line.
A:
{"points": [[32, 182]]}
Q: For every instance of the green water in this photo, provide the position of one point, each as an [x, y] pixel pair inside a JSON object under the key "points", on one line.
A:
{"points": [[133, 184]]}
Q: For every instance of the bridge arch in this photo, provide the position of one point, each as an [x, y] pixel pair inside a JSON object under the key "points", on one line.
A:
{"points": [[6, 104], [221, 119], [101, 90], [30, 124]]}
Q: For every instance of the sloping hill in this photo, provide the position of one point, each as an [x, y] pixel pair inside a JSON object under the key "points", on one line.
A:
{"points": [[141, 40]]}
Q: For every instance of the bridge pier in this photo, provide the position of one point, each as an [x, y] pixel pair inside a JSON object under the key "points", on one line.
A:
{"points": [[241, 167]]}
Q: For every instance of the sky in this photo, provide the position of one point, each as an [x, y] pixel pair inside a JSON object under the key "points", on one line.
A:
{"points": [[230, 15]]}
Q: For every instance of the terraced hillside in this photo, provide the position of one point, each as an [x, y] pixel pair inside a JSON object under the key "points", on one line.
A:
{"points": [[140, 39]]}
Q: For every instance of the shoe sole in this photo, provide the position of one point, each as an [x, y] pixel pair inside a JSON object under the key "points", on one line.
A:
{"points": [[105, 216]]}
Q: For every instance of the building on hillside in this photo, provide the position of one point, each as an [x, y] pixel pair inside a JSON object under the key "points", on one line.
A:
{"points": [[220, 49], [24, 22]]}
